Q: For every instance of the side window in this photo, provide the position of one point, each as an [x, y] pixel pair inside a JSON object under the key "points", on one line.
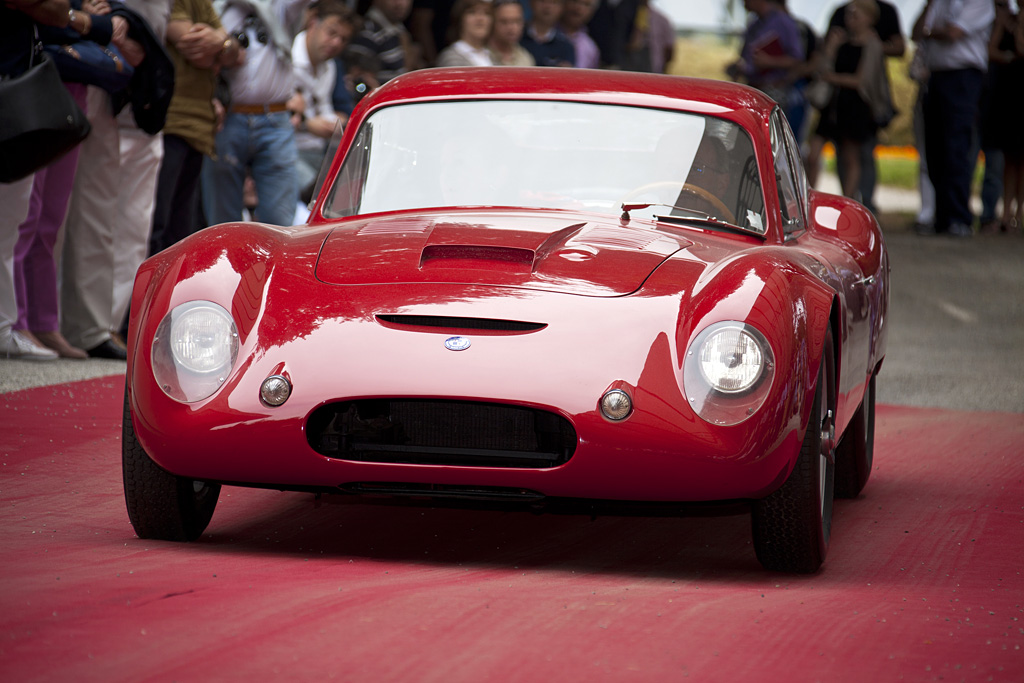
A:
{"points": [[797, 164], [787, 173], [347, 193]]}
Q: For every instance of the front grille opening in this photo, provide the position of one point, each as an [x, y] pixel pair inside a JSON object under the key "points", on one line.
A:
{"points": [[432, 432], [452, 322]]}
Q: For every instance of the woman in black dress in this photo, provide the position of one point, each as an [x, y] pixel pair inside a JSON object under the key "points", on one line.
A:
{"points": [[1003, 128], [847, 120]]}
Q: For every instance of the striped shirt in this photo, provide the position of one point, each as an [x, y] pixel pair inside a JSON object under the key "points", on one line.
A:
{"points": [[379, 47]]}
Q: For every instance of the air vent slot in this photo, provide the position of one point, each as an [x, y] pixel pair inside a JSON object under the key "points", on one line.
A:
{"points": [[434, 322]]}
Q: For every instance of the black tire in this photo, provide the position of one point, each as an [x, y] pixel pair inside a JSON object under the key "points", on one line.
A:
{"points": [[856, 450], [793, 525], [161, 505]]}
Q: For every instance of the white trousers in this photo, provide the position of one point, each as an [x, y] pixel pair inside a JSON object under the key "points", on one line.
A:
{"points": [[106, 235]]}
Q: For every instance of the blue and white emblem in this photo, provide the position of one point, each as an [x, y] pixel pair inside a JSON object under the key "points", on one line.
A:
{"points": [[457, 343]]}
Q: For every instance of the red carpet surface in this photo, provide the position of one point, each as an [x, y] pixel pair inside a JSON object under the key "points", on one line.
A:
{"points": [[923, 581]]}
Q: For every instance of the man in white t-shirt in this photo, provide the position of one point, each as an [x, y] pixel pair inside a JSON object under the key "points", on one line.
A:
{"points": [[330, 27]]}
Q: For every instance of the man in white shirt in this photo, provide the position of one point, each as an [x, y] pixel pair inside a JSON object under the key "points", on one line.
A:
{"points": [[330, 27], [954, 37]]}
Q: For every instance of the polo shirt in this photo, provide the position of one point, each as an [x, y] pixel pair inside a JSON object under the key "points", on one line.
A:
{"points": [[550, 50]]}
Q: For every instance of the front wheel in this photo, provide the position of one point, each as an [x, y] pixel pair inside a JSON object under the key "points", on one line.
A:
{"points": [[792, 526], [161, 505]]}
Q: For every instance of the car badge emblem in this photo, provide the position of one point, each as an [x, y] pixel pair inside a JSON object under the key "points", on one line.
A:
{"points": [[457, 343]]}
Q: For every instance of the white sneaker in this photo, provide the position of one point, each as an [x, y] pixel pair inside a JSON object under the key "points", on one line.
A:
{"points": [[14, 345]]}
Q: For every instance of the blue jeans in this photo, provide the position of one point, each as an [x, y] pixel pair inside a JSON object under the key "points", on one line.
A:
{"points": [[264, 145]]}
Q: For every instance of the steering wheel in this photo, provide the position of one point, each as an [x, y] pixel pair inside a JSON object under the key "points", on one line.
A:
{"points": [[720, 208]]}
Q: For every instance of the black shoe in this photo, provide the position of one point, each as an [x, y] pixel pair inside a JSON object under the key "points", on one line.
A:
{"points": [[926, 229], [108, 349], [960, 230]]}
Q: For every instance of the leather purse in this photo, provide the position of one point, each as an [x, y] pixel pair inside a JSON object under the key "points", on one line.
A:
{"points": [[93, 64], [39, 120]]}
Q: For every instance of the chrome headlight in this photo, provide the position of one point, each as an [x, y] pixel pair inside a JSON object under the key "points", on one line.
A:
{"points": [[730, 359], [194, 349], [728, 372]]}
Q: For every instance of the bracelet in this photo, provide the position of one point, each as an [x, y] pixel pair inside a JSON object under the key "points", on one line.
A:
{"points": [[86, 22]]}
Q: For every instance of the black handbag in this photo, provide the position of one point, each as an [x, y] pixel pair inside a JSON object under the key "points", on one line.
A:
{"points": [[39, 120]]}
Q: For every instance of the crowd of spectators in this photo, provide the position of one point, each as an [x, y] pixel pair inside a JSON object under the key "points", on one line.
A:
{"points": [[260, 87], [968, 63], [258, 90]]}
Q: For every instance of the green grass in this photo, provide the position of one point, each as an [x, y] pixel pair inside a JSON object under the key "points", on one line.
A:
{"points": [[901, 173]]}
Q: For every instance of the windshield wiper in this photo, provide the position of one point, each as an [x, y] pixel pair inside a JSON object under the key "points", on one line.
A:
{"points": [[693, 217]]}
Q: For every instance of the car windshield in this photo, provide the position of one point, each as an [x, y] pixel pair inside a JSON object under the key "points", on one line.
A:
{"points": [[547, 154]]}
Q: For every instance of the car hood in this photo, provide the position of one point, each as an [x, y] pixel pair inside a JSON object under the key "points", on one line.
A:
{"points": [[552, 251]]}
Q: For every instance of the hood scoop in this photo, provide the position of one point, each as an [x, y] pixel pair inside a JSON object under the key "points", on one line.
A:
{"points": [[540, 250], [505, 259]]}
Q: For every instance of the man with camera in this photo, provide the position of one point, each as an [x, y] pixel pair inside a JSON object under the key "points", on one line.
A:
{"points": [[258, 137]]}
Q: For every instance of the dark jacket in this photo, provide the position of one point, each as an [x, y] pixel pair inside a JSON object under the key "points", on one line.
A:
{"points": [[152, 85], [101, 32], [16, 41]]}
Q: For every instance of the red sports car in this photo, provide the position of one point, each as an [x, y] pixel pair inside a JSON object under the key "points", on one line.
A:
{"points": [[561, 289]]}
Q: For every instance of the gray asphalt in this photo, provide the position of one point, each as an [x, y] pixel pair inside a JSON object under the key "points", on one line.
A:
{"points": [[956, 327]]}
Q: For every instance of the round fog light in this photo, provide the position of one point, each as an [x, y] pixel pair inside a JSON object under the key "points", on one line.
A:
{"points": [[616, 405], [275, 390]]}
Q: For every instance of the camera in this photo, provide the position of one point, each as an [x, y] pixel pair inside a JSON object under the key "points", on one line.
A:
{"points": [[254, 23]]}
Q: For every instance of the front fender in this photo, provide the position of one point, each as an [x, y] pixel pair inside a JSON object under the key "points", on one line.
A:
{"points": [[777, 294], [231, 265]]}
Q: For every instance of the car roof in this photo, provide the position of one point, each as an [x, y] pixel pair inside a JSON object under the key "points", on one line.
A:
{"points": [[743, 104]]}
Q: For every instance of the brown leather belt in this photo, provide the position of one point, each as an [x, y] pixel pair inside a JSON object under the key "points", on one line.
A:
{"points": [[259, 108]]}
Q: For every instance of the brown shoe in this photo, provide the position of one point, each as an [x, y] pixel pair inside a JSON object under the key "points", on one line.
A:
{"points": [[118, 341], [57, 342]]}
